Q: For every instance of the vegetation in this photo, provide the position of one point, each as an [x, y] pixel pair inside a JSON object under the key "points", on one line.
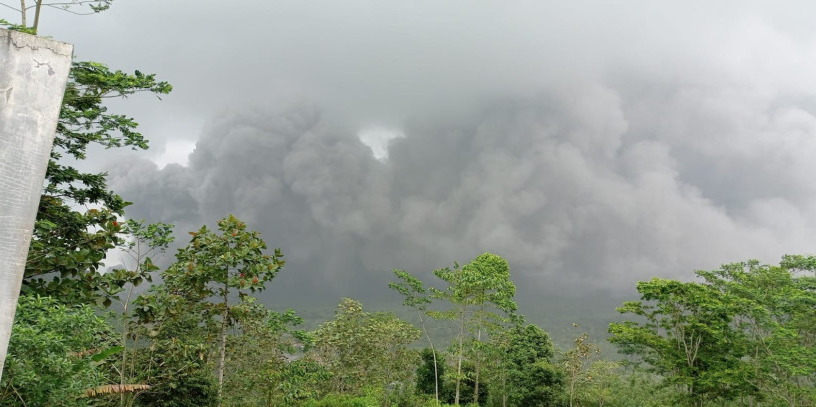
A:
{"points": [[741, 335]]}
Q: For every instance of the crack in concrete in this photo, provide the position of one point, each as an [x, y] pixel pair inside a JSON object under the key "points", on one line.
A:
{"points": [[12, 42], [48, 64]]}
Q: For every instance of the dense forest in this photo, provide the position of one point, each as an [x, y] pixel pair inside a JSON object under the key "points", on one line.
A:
{"points": [[195, 333]]}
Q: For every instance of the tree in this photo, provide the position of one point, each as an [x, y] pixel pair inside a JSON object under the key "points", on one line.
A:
{"points": [[602, 377], [686, 335], [53, 354], [481, 294], [576, 362], [361, 348], [143, 241], [68, 245], [533, 381], [416, 297], [430, 373], [95, 6], [216, 266], [259, 353], [774, 310], [171, 354], [298, 381]]}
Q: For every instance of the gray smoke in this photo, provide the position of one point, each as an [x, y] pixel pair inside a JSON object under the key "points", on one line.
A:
{"points": [[588, 187], [591, 144]]}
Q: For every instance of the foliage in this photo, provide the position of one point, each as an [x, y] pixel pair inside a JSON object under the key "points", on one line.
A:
{"points": [[745, 332], [257, 357], [425, 381], [364, 349], [68, 244], [50, 360], [481, 296], [297, 381], [533, 380], [215, 265], [602, 378], [417, 297], [774, 311], [95, 6], [688, 338], [576, 362], [194, 390], [173, 355], [344, 400]]}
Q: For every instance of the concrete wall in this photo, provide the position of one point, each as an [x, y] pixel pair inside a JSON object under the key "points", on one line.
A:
{"points": [[33, 73]]}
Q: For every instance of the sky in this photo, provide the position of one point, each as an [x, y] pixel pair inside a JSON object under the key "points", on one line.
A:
{"points": [[592, 144]]}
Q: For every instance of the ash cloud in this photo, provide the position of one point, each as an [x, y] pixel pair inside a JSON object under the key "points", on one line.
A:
{"points": [[575, 188], [592, 145]]}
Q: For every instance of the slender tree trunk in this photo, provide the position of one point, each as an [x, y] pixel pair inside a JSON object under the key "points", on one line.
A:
{"points": [[37, 16], [459, 364], [433, 351], [124, 346], [223, 346], [23, 12], [476, 366]]}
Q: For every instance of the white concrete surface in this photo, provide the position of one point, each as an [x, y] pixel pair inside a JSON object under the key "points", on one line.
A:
{"points": [[33, 73]]}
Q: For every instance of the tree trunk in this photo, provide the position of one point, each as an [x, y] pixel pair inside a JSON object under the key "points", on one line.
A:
{"points": [[222, 348], [23, 12], [37, 16], [33, 73], [433, 351], [459, 364], [476, 367]]}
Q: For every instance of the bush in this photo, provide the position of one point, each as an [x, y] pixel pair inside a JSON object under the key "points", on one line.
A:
{"points": [[49, 355], [339, 400], [197, 390]]}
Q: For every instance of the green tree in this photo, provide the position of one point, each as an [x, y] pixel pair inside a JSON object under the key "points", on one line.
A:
{"points": [[684, 332], [602, 378], [533, 381], [54, 353], [258, 353], [142, 241], [429, 374], [481, 295], [94, 6], [365, 349], [217, 265], [68, 244], [171, 354], [576, 362], [298, 381], [418, 298], [774, 310]]}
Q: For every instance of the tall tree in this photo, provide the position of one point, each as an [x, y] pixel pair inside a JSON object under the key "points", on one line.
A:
{"points": [[68, 243], [684, 332], [214, 267], [361, 348], [94, 6], [532, 379], [417, 297], [143, 241], [774, 310], [576, 362], [481, 294]]}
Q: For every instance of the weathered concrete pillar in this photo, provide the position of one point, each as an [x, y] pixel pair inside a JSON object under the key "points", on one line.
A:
{"points": [[33, 73]]}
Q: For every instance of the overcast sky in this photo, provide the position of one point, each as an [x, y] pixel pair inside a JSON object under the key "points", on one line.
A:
{"points": [[592, 144]]}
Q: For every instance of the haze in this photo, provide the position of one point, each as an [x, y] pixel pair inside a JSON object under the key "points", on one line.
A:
{"points": [[591, 144]]}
